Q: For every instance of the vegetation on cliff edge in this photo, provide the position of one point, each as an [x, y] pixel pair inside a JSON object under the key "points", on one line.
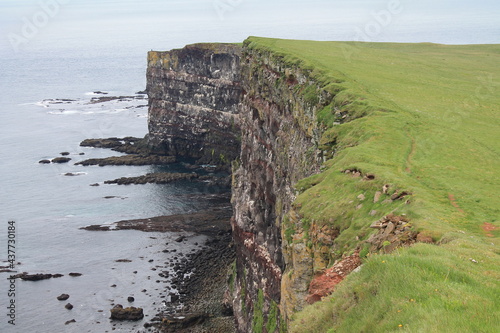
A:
{"points": [[423, 120]]}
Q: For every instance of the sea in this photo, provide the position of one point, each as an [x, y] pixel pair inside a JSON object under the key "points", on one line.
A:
{"points": [[56, 56]]}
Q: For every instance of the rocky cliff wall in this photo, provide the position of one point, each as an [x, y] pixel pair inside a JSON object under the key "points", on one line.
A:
{"points": [[206, 100], [279, 146], [194, 94]]}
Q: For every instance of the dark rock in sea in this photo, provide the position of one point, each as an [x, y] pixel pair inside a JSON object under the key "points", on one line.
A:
{"points": [[100, 92], [157, 178], [113, 286], [127, 145], [64, 153], [70, 174], [75, 274], [58, 101], [35, 277], [70, 322], [44, 162], [61, 160], [96, 184], [132, 159], [130, 313], [69, 306], [208, 222], [55, 276], [144, 92], [110, 143], [96, 227], [123, 260], [130, 299], [63, 297], [81, 154], [103, 99]]}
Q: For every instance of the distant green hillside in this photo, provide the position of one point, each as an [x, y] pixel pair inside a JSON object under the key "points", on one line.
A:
{"points": [[424, 118]]}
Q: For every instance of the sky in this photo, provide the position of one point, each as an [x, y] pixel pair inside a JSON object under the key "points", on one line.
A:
{"points": [[134, 25]]}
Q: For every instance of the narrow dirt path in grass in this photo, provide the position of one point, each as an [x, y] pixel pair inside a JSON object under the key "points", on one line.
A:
{"points": [[410, 155], [453, 201]]}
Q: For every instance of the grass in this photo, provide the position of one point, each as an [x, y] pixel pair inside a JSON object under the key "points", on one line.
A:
{"points": [[423, 289], [423, 118]]}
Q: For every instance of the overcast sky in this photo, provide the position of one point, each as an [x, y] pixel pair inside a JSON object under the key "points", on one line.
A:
{"points": [[161, 24]]}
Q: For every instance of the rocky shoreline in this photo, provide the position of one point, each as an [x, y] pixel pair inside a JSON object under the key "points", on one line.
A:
{"points": [[196, 300], [202, 293], [199, 280]]}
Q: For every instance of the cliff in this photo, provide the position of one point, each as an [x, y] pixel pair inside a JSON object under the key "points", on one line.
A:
{"points": [[346, 159], [208, 99], [193, 102], [280, 136]]}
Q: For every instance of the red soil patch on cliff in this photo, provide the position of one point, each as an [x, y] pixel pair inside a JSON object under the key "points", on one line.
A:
{"points": [[488, 228], [324, 283]]}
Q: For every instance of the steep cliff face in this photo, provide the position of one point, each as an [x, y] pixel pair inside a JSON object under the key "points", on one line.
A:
{"points": [[279, 147], [205, 100], [193, 102]]}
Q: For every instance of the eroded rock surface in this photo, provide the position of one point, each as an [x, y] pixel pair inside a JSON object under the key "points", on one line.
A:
{"points": [[194, 94]]}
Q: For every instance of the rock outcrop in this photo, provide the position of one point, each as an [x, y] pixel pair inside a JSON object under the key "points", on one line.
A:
{"points": [[194, 94], [156, 178], [130, 313]]}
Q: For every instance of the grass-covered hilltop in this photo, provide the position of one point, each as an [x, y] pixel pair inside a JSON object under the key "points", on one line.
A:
{"points": [[411, 135]]}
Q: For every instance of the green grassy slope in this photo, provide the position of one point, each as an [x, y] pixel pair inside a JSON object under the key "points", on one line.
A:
{"points": [[425, 121]]}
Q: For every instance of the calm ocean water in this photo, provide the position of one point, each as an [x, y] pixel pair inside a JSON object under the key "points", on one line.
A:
{"points": [[78, 47]]}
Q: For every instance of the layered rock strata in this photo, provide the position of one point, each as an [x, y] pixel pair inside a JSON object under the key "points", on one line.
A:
{"points": [[194, 94], [206, 100], [279, 147]]}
